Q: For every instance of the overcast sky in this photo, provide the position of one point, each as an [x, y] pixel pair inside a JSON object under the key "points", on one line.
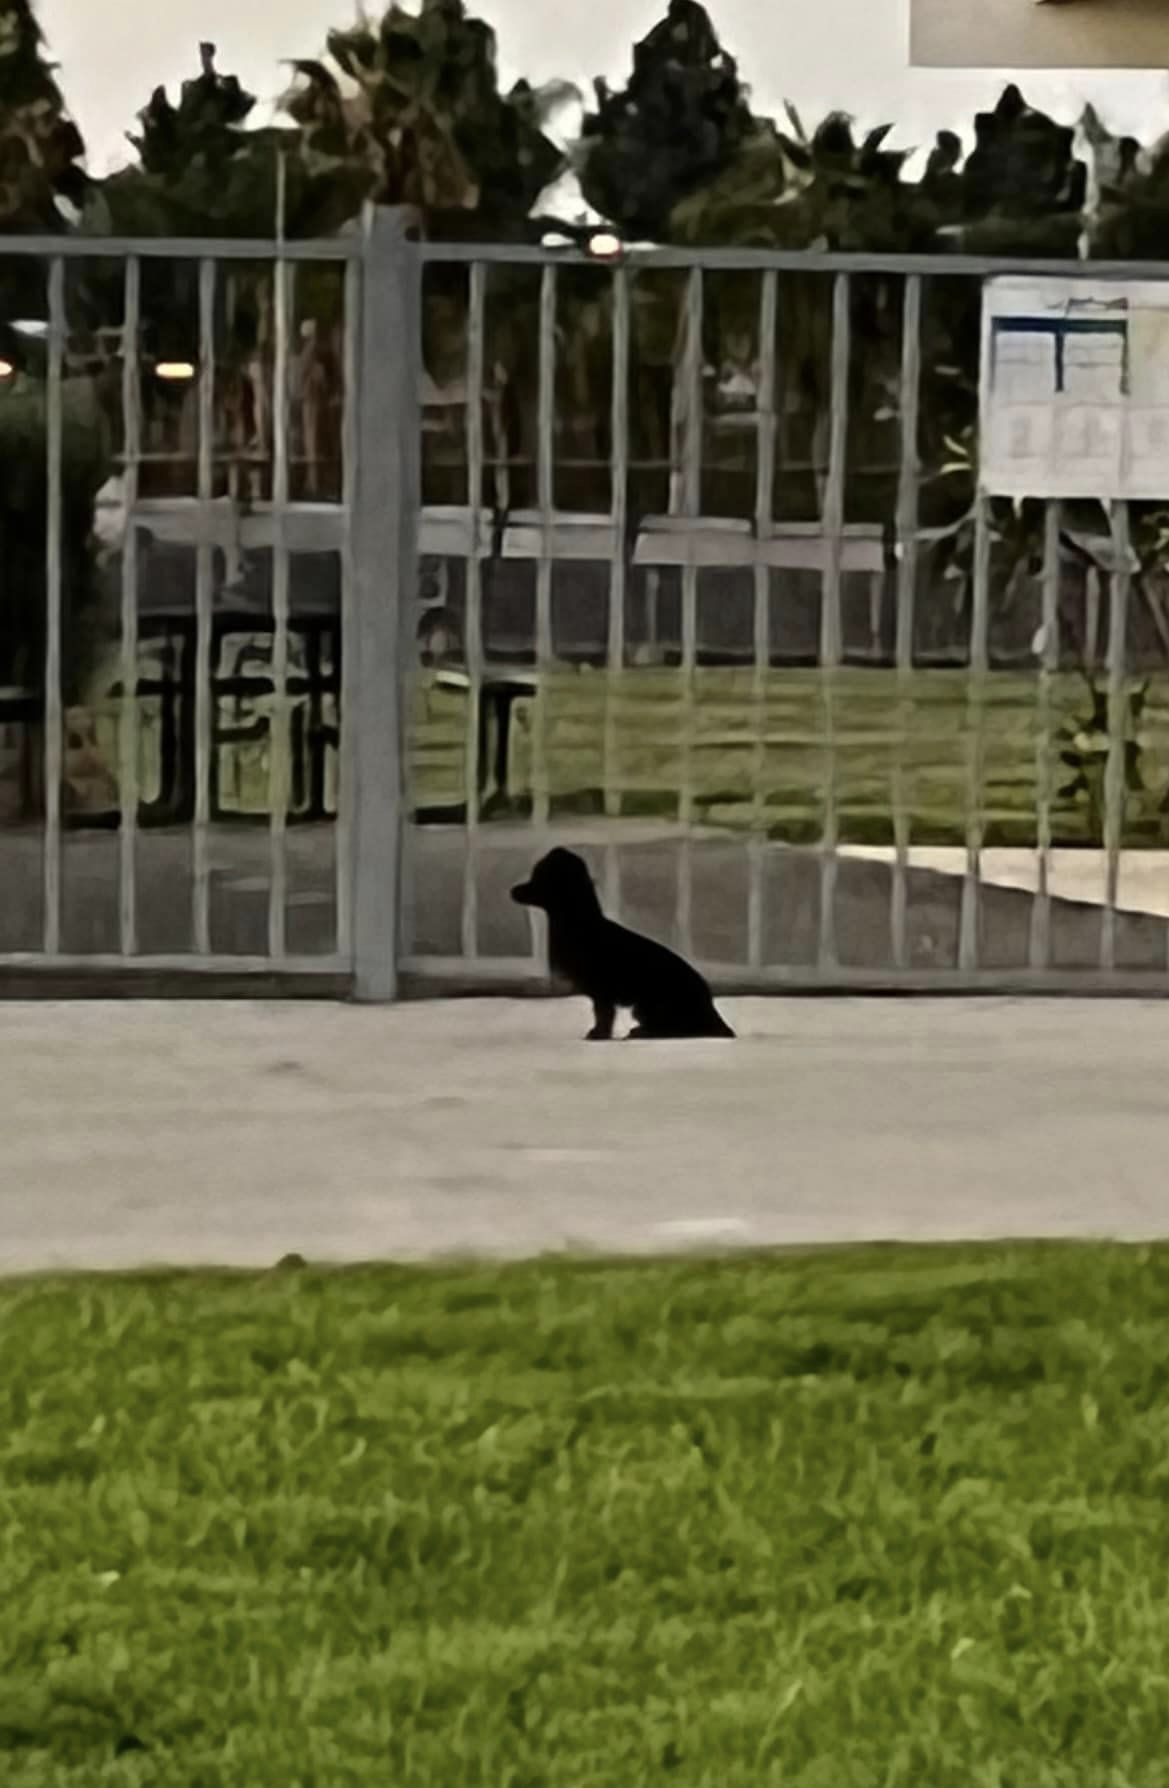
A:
{"points": [[820, 53]]}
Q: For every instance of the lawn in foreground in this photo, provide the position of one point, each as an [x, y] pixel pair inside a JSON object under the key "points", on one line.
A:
{"points": [[865, 1517]]}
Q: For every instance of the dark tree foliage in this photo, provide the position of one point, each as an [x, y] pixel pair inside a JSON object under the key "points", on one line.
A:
{"points": [[1023, 187], [1130, 220], [411, 114], [41, 180], [202, 129], [200, 171], [41, 149], [677, 124]]}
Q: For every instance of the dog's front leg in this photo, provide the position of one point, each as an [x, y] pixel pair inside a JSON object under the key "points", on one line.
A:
{"points": [[604, 1017]]}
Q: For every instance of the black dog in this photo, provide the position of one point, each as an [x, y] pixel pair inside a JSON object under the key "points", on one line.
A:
{"points": [[612, 966]]}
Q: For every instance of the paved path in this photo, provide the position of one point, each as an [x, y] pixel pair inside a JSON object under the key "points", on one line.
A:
{"points": [[648, 858], [141, 1133]]}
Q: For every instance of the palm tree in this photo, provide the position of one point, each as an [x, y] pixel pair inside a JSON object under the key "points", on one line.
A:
{"points": [[411, 114], [408, 112], [1022, 185], [674, 127]]}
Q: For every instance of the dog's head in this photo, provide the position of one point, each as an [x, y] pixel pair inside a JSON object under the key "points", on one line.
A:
{"points": [[560, 882]]}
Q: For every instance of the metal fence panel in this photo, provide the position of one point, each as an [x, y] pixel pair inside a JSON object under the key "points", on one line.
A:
{"points": [[159, 867], [879, 915], [682, 697]]}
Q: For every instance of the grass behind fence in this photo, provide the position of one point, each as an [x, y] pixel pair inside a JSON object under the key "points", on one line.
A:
{"points": [[657, 731], [654, 738], [856, 1519]]}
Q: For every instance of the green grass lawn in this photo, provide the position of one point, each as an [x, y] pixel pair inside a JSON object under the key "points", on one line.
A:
{"points": [[649, 725], [841, 1520], [751, 759]]}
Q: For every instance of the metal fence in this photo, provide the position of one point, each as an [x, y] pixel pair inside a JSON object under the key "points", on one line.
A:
{"points": [[1058, 882], [733, 724], [152, 890]]}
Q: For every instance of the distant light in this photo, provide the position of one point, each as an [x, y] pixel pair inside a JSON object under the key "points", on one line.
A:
{"points": [[7, 370], [175, 372], [604, 245], [32, 326]]}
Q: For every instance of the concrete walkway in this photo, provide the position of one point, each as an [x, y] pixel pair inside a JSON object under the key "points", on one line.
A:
{"points": [[187, 1132], [1079, 875]]}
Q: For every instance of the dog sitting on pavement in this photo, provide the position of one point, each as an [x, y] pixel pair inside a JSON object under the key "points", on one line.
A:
{"points": [[612, 966]]}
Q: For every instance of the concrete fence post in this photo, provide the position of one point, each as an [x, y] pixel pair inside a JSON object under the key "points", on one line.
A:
{"points": [[385, 550]]}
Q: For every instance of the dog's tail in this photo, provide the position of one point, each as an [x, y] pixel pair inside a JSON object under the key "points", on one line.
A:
{"points": [[718, 1024]]}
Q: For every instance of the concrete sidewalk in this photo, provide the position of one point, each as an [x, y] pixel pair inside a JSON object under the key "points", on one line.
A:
{"points": [[191, 1132]]}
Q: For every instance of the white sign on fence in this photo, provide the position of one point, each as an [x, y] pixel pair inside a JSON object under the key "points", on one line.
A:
{"points": [[1075, 388]]}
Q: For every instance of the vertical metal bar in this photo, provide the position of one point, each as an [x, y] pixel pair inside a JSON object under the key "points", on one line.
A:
{"points": [[408, 669], [348, 637], [128, 713], [1115, 779], [764, 488], [691, 482], [619, 511], [54, 521], [201, 886], [968, 924], [386, 552], [473, 647], [907, 498], [830, 619], [1039, 949], [545, 422], [279, 767], [1092, 620]]}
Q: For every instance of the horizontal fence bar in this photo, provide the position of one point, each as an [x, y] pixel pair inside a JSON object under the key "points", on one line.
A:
{"points": [[723, 542], [169, 961], [754, 260], [180, 248], [455, 532], [728, 979], [346, 248]]}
